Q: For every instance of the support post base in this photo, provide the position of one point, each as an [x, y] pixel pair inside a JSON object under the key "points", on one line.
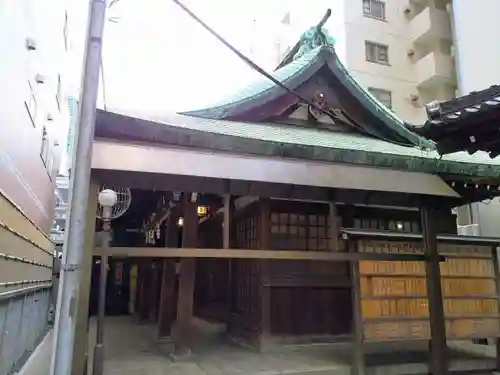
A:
{"points": [[98, 362]]}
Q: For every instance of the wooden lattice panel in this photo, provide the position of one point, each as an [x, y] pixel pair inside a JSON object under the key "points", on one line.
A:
{"points": [[394, 304]]}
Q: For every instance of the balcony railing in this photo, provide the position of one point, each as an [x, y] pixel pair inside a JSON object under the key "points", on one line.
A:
{"points": [[430, 26], [435, 69]]}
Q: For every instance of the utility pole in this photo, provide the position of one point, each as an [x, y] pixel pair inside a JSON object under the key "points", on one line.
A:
{"points": [[71, 268]]}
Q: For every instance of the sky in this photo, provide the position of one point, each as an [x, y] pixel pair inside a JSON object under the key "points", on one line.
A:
{"points": [[158, 60]]}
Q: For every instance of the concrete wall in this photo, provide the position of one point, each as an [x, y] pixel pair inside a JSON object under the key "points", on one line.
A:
{"points": [[33, 103], [32, 110]]}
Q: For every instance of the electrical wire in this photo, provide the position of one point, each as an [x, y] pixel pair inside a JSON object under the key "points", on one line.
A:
{"points": [[103, 85], [277, 82]]}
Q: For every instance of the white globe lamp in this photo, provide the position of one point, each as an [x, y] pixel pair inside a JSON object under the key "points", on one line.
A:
{"points": [[107, 198]]}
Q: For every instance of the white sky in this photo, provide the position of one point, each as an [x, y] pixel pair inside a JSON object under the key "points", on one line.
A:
{"points": [[158, 60]]}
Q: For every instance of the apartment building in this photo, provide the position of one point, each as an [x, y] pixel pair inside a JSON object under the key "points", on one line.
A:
{"points": [[401, 50], [411, 52], [34, 40]]}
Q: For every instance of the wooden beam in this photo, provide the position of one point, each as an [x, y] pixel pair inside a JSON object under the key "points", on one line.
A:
{"points": [[160, 252], [187, 273], [168, 182], [439, 350]]}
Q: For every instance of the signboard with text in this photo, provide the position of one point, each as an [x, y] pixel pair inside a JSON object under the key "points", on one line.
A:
{"points": [[394, 304]]}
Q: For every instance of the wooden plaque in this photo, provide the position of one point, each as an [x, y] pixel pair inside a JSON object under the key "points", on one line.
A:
{"points": [[394, 304]]}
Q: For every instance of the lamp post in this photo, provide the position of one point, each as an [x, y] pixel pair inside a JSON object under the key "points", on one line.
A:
{"points": [[107, 199]]}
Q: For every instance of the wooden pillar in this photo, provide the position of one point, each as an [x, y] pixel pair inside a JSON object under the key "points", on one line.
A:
{"points": [[333, 227], [439, 350], [80, 350], [143, 288], [187, 274], [358, 356], [226, 244], [154, 291], [264, 244], [167, 308]]}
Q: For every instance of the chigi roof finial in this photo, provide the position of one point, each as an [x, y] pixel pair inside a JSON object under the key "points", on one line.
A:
{"points": [[315, 37]]}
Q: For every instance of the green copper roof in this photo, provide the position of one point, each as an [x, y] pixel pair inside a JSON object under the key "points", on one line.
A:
{"points": [[258, 88], [317, 144], [316, 50]]}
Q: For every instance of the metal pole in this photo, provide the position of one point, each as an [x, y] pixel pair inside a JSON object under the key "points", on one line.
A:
{"points": [[71, 268], [98, 364]]}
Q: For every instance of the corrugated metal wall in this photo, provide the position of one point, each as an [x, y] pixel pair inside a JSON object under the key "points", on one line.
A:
{"points": [[23, 324], [26, 263]]}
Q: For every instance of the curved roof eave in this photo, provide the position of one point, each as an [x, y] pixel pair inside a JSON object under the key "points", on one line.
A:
{"points": [[263, 89], [374, 106], [297, 72]]}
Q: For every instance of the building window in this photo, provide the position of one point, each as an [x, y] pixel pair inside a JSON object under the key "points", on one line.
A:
{"points": [[31, 105], [44, 150], [46, 153], [383, 96], [59, 92], [294, 231], [377, 53], [286, 19], [65, 31], [374, 9]]}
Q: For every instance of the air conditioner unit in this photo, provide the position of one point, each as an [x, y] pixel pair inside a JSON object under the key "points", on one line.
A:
{"points": [[40, 79], [30, 44], [468, 230], [415, 99]]}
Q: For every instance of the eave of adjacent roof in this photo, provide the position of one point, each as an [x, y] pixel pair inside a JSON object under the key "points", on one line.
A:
{"points": [[465, 123], [464, 107]]}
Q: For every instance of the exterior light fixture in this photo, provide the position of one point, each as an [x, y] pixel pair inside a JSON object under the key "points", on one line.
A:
{"points": [[433, 109], [107, 199], [180, 222]]}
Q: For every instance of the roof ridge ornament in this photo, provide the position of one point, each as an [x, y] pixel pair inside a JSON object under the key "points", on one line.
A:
{"points": [[314, 37]]}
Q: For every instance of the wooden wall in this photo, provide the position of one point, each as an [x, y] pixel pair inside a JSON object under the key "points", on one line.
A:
{"points": [[307, 298], [246, 293], [260, 299], [212, 275]]}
